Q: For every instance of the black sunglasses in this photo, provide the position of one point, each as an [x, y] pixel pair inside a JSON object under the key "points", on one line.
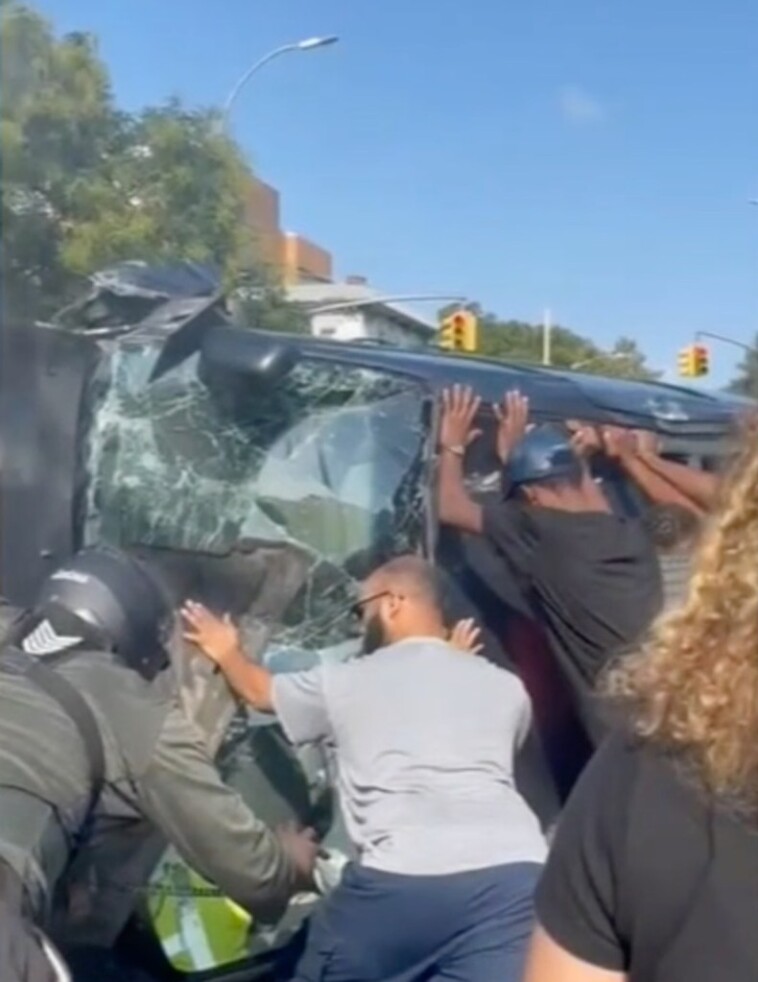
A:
{"points": [[356, 609]]}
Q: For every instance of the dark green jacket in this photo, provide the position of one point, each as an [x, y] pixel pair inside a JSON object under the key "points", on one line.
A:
{"points": [[161, 785]]}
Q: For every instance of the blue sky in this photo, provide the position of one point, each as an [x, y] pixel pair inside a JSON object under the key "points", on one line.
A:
{"points": [[593, 156]]}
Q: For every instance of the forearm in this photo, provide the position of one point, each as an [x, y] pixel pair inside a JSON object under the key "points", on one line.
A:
{"points": [[655, 487], [455, 506], [695, 485], [210, 826], [251, 682]]}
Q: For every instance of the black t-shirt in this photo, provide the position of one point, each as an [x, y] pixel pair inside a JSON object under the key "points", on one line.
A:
{"points": [[648, 877], [591, 579]]}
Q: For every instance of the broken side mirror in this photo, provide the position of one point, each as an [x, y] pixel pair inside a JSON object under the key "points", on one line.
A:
{"points": [[265, 358]]}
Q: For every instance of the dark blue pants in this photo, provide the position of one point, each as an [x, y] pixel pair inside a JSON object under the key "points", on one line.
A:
{"points": [[382, 927]]}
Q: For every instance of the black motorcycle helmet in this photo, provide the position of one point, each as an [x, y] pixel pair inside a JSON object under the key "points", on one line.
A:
{"points": [[120, 600]]}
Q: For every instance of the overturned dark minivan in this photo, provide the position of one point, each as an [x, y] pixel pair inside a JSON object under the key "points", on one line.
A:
{"points": [[265, 475]]}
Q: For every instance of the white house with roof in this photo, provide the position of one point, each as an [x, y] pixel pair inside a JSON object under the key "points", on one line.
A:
{"points": [[354, 311]]}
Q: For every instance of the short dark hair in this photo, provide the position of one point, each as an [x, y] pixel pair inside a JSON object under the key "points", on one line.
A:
{"points": [[671, 525], [417, 572]]}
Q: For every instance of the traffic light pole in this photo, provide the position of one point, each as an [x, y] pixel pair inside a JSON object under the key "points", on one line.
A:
{"points": [[720, 337]]}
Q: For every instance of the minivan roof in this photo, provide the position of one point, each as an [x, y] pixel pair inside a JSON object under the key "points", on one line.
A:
{"points": [[553, 393]]}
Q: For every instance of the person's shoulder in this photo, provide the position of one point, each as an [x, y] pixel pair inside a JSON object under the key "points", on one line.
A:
{"points": [[622, 751], [626, 767], [498, 676]]}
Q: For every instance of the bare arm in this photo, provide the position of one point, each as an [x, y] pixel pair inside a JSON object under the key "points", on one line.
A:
{"points": [[697, 486], [653, 485], [549, 962], [251, 682], [455, 506], [636, 453]]}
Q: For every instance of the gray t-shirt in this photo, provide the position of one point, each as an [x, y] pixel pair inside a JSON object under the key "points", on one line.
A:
{"points": [[425, 738]]}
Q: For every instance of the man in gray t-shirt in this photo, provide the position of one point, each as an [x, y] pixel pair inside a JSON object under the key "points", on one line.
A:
{"points": [[424, 735]]}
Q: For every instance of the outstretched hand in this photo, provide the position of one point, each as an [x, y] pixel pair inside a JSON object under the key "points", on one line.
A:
{"points": [[466, 636], [459, 408], [512, 423], [216, 637]]}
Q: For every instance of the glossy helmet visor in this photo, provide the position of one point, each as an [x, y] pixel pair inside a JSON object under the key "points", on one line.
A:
{"points": [[121, 599], [544, 454]]}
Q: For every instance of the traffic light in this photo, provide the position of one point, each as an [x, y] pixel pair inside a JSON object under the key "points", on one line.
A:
{"points": [[458, 331], [702, 366], [693, 361]]}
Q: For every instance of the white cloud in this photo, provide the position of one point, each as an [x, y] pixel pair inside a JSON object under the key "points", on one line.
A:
{"points": [[579, 107]]}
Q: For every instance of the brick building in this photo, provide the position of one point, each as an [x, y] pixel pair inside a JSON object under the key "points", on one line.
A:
{"points": [[293, 258]]}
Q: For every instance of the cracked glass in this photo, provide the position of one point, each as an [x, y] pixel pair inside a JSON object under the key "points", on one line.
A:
{"points": [[324, 467], [270, 502]]}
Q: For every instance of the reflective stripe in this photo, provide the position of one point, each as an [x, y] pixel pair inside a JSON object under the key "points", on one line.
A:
{"points": [[57, 964], [195, 939], [198, 928], [173, 946]]}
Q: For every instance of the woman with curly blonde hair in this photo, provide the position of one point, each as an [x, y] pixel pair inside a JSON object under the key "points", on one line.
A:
{"points": [[654, 872]]}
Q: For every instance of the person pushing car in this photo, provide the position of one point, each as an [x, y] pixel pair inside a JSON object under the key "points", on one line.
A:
{"points": [[99, 766]]}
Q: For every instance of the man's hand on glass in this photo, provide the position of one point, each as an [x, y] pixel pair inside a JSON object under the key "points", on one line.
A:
{"points": [[216, 637]]}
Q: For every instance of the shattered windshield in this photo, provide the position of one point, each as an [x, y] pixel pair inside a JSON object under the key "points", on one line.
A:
{"points": [[210, 472]]}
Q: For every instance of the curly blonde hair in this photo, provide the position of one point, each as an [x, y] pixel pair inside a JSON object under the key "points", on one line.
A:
{"points": [[693, 689]]}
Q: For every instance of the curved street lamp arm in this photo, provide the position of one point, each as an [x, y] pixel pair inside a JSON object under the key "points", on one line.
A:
{"points": [[246, 76]]}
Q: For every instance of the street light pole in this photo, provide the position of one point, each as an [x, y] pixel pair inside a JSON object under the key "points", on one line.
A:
{"points": [[547, 338], [307, 45]]}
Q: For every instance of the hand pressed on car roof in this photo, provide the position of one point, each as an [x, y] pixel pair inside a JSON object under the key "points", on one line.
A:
{"points": [[513, 422], [459, 408], [618, 442], [585, 438]]}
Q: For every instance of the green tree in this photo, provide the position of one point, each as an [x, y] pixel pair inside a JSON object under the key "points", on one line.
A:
{"points": [[84, 185], [56, 122], [511, 340], [260, 302], [746, 381], [173, 187]]}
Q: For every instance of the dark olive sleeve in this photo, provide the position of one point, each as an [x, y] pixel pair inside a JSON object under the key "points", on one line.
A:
{"points": [[579, 896], [210, 826]]}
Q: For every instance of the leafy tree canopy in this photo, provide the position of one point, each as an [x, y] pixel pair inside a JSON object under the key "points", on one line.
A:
{"points": [[512, 340], [85, 185]]}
